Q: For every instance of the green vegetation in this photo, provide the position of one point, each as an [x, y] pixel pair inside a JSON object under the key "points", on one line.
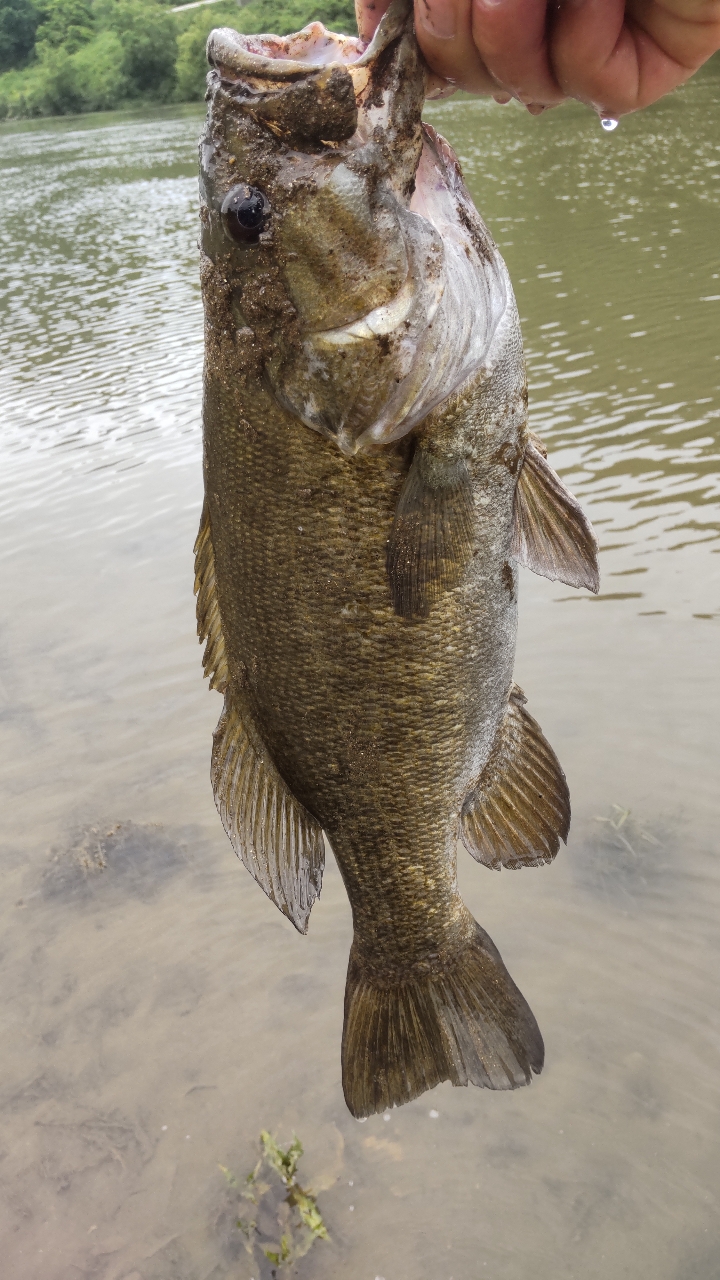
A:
{"points": [[58, 57], [282, 1201]]}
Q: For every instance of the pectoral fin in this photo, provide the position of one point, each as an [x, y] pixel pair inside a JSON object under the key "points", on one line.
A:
{"points": [[276, 838], [551, 533], [432, 536], [520, 809]]}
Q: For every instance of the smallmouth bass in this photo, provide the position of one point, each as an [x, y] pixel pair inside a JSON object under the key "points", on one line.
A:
{"points": [[370, 488]]}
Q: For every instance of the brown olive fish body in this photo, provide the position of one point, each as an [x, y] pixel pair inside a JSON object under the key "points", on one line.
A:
{"points": [[356, 568]]}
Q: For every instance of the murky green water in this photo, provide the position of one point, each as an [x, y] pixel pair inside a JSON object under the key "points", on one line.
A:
{"points": [[157, 1012]]}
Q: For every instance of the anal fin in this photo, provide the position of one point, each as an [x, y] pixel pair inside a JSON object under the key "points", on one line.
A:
{"points": [[551, 533], [519, 811], [432, 536]]}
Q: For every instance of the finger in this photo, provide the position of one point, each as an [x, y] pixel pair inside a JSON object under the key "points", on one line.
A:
{"points": [[614, 62], [594, 55], [444, 32], [687, 31], [511, 38], [368, 14]]}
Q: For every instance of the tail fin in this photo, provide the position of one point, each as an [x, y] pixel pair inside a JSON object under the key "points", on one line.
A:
{"points": [[466, 1022]]}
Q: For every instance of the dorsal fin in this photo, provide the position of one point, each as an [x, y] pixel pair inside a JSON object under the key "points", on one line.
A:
{"points": [[275, 837], [432, 536], [519, 811], [209, 626], [551, 533], [279, 842]]}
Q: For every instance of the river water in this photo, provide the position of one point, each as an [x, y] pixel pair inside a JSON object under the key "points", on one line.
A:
{"points": [[157, 1012]]}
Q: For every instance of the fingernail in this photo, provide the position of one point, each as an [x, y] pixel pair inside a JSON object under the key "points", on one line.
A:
{"points": [[502, 98], [438, 17], [535, 108]]}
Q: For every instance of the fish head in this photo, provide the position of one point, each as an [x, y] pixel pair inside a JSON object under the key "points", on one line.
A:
{"points": [[357, 264]]}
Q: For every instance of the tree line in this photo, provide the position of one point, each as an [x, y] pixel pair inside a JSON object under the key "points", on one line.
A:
{"points": [[58, 57]]}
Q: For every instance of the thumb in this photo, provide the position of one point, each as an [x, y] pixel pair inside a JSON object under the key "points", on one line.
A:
{"points": [[368, 14]]}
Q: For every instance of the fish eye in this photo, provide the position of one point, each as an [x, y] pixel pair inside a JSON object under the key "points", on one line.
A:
{"points": [[245, 212]]}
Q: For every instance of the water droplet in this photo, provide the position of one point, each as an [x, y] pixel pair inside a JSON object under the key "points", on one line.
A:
{"points": [[608, 124]]}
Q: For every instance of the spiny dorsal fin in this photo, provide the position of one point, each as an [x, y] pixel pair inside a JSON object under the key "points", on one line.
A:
{"points": [[276, 838], [520, 809], [431, 541], [209, 626], [551, 533]]}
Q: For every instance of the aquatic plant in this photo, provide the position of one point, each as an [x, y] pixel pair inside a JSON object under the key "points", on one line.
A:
{"points": [[297, 1215], [626, 859], [617, 820]]}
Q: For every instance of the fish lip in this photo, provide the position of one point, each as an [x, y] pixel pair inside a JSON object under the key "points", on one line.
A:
{"points": [[377, 323], [270, 57]]}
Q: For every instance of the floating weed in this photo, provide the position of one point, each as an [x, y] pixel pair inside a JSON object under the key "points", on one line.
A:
{"points": [[295, 1215]]}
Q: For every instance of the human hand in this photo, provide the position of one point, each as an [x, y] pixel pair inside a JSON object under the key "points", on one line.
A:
{"points": [[615, 55]]}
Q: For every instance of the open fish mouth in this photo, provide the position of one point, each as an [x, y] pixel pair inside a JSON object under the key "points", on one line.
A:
{"points": [[416, 298], [287, 58]]}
